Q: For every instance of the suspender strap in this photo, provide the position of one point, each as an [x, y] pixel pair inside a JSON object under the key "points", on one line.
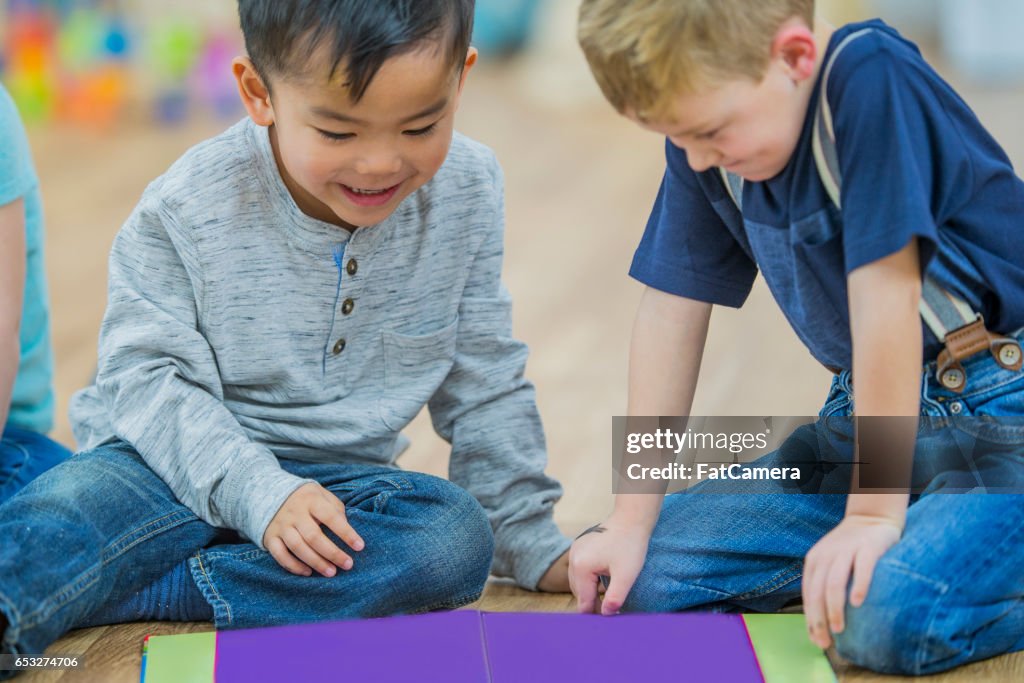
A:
{"points": [[824, 142], [942, 311], [734, 186]]}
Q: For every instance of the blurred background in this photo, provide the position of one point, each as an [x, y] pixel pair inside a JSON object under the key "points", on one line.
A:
{"points": [[113, 91]]}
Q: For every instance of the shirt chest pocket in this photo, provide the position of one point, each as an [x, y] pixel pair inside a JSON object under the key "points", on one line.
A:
{"points": [[804, 267], [414, 368]]}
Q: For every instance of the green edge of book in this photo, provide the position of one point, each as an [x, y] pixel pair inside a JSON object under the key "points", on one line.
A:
{"points": [[784, 651], [183, 658]]}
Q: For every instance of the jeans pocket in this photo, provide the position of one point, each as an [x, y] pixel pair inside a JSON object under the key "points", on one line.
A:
{"points": [[414, 368], [996, 413], [837, 407], [838, 403], [370, 494]]}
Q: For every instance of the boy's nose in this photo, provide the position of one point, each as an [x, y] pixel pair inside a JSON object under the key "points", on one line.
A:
{"points": [[702, 160], [379, 164]]}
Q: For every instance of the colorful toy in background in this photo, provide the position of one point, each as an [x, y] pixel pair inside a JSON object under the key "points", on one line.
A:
{"points": [[172, 55], [29, 61], [96, 62], [191, 66], [85, 62], [91, 55]]}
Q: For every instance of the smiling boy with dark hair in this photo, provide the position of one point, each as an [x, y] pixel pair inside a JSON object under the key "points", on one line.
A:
{"points": [[283, 301]]}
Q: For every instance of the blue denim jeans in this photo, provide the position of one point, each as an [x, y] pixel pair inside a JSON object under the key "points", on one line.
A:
{"points": [[950, 591], [102, 525], [24, 455]]}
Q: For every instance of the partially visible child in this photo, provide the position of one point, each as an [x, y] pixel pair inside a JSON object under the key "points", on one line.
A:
{"points": [[283, 301], [26, 360], [881, 245]]}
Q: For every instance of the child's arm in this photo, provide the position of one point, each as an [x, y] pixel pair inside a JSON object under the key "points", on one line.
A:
{"points": [[664, 361], [486, 409], [12, 287], [887, 359]]}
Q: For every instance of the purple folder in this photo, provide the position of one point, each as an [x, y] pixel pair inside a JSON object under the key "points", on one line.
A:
{"points": [[490, 647]]}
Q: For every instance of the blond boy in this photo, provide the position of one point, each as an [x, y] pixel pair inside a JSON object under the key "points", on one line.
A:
{"points": [[922, 197]]}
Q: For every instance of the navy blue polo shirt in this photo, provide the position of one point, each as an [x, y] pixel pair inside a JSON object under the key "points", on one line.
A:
{"points": [[915, 161]]}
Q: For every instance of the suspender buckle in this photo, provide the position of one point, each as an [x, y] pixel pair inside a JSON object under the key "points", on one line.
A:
{"points": [[1007, 353], [968, 340]]}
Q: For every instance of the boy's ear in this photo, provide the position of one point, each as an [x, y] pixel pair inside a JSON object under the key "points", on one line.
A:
{"points": [[471, 57], [253, 91], [797, 50]]}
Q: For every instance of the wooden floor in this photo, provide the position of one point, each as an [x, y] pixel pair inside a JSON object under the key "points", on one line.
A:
{"points": [[580, 182], [113, 653]]}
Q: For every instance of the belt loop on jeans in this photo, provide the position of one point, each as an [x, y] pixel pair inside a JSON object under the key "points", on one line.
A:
{"points": [[971, 339]]}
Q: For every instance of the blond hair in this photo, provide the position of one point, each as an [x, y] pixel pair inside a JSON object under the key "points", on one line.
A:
{"points": [[644, 53]]}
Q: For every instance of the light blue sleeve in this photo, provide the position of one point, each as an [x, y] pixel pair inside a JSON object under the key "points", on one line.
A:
{"points": [[17, 176]]}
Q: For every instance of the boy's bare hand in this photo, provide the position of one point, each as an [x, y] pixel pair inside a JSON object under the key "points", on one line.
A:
{"points": [[556, 578], [855, 545], [610, 549], [294, 537]]}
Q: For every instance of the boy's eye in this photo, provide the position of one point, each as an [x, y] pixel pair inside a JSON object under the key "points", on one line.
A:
{"points": [[422, 131], [708, 135], [335, 137]]}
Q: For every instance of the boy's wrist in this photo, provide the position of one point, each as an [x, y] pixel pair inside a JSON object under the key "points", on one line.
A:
{"points": [[556, 578], [891, 508], [637, 510]]}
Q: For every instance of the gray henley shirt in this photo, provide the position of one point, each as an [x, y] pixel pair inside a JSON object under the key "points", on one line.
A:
{"points": [[240, 330]]}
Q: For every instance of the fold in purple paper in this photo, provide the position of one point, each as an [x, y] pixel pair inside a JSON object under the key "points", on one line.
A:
{"points": [[663, 647], [433, 648]]}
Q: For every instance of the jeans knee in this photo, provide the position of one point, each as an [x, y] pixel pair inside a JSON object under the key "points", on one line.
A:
{"points": [[451, 559], [894, 631], [880, 639], [79, 480], [658, 590], [646, 596]]}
